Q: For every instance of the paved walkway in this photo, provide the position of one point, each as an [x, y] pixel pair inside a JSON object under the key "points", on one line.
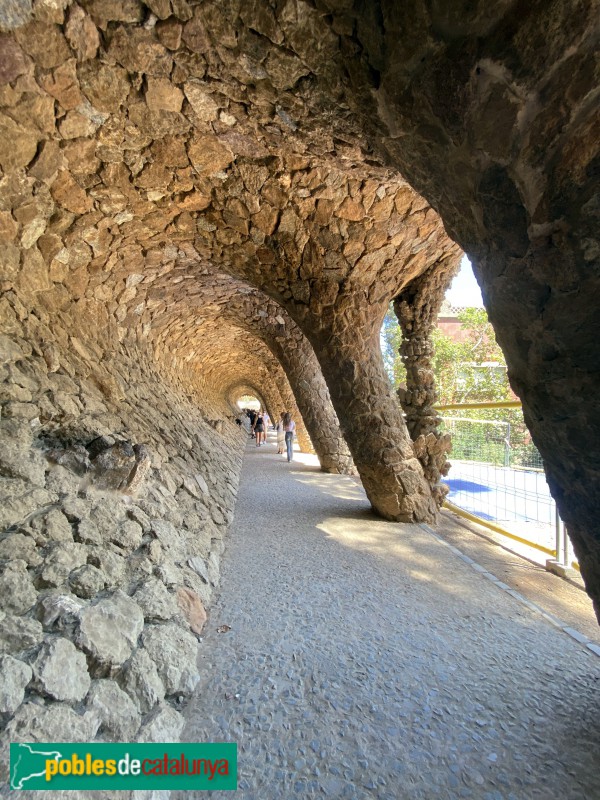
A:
{"points": [[367, 660]]}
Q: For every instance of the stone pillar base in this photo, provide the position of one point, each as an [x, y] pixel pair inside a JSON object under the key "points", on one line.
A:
{"points": [[552, 565]]}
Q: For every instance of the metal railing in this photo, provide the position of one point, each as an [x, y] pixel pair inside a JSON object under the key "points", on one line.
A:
{"points": [[498, 481]]}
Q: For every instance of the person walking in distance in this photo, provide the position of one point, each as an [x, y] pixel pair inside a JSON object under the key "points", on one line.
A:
{"points": [[289, 427], [252, 417], [280, 434], [259, 428]]}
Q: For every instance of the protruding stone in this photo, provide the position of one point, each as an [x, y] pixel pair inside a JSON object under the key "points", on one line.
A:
{"points": [[139, 677], [44, 43], [59, 611], [208, 155], [174, 651], [169, 573], [19, 546], [75, 126], [192, 608], [55, 723], [118, 715], [57, 526], [192, 487], [68, 194], [9, 350], [199, 566], [170, 539], [105, 11], [140, 470], [87, 581], [201, 101], [196, 584], [18, 145], [16, 588], [164, 725], [61, 671], [15, 14], [113, 466], [14, 677], [128, 536], [81, 34], [161, 94], [112, 565], [140, 516], [201, 483], [12, 59], [88, 533], [109, 630], [156, 601], [169, 33], [62, 559], [63, 85], [51, 357], [19, 633]]}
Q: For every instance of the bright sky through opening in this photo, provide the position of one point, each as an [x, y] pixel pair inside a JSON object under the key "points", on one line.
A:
{"points": [[464, 290]]}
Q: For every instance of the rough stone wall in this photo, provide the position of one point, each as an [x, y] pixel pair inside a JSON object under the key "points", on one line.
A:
{"points": [[156, 140], [162, 161], [104, 586]]}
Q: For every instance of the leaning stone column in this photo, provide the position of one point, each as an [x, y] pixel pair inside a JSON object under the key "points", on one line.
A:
{"points": [[369, 414], [416, 308], [314, 401], [267, 319], [312, 395]]}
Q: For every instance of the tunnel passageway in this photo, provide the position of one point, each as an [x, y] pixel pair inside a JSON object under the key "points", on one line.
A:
{"points": [[205, 199], [366, 664]]}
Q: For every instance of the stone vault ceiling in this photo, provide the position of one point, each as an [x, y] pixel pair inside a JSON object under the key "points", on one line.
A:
{"points": [[162, 159], [170, 169]]}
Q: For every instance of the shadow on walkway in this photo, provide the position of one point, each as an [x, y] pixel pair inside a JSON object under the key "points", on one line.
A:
{"points": [[366, 660]]}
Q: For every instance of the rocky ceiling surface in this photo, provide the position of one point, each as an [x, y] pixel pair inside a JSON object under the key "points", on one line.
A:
{"points": [[162, 160]]}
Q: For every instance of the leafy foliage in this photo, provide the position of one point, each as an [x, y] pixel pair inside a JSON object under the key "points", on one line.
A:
{"points": [[473, 370], [469, 371], [390, 340]]}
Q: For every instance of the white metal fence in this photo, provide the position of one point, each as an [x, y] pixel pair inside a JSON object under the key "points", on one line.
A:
{"points": [[501, 482]]}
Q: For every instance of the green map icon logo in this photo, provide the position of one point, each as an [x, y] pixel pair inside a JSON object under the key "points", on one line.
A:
{"points": [[109, 766], [29, 763]]}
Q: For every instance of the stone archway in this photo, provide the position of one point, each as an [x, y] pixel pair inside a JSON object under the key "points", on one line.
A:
{"points": [[221, 298], [155, 140], [491, 114]]}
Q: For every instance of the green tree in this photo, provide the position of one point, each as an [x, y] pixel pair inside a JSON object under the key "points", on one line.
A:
{"points": [[470, 371], [458, 366], [473, 370], [390, 340]]}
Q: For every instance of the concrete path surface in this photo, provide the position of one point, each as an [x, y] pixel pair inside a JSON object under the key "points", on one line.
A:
{"points": [[367, 660]]}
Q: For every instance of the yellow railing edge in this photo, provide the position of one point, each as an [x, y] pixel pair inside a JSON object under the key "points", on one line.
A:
{"points": [[496, 528], [472, 517]]}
